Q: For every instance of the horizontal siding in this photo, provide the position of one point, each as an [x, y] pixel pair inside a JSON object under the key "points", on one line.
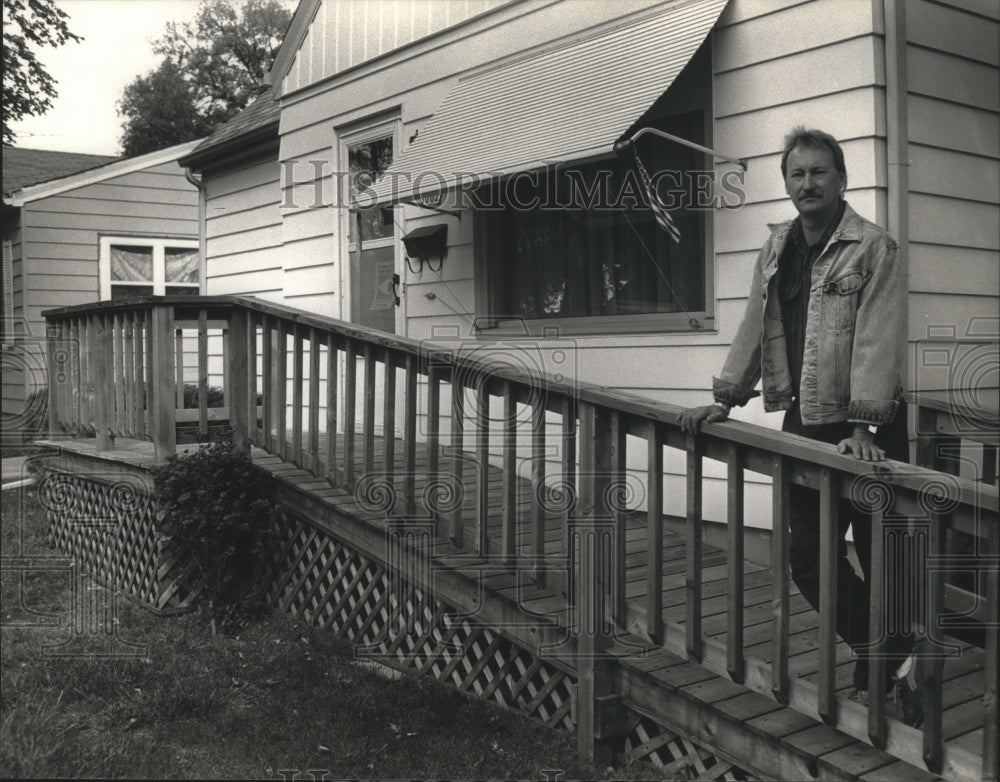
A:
{"points": [[263, 282], [937, 123], [940, 220], [243, 228], [105, 211], [954, 177], [936, 267], [952, 78], [802, 28], [853, 114], [797, 77], [222, 247], [136, 226], [946, 29], [954, 174]]}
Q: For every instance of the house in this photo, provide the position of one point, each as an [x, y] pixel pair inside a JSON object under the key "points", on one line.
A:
{"points": [[434, 174], [494, 104], [81, 228]]}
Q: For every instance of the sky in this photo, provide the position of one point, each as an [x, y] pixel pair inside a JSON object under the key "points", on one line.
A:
{"points": [[91, 75]]}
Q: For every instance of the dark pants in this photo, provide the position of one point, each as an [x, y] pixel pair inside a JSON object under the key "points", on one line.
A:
{"points": [[852, 589]]}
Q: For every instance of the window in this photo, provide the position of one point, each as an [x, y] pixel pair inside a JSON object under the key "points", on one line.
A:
{"points": [[132, 267], [577, 245]]}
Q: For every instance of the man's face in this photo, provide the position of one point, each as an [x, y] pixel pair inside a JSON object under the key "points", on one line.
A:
{"points": [[813, 182]]}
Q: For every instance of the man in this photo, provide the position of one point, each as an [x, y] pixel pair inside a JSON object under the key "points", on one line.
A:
{"points": [[823, 330]]}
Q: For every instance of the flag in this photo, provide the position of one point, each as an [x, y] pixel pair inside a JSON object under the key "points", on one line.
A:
{"points": [[656, 205]]}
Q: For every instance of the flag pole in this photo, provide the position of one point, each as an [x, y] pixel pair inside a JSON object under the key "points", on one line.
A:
{"points": [[622, 146]]}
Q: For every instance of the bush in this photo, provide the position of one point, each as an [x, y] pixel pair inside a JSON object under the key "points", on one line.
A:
{"points": [[192, 396], [213, 503]]}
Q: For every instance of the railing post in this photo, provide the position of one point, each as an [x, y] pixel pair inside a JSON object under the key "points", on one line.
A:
{"points": [[55, 385], [101, 347], [161, 373], [591, 548], [779, 578], [239, 378], [827, 701]]}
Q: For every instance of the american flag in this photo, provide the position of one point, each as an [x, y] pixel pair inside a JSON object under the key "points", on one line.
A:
{"points": [[657, 206]]}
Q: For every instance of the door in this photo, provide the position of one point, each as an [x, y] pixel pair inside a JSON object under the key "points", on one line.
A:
{"points": [[371, 233]]}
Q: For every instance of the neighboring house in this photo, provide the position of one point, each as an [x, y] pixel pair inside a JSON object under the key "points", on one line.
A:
{"points": [[443, 95], [81, 228]]}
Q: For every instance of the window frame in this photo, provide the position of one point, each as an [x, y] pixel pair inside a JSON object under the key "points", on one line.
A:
{"points": [[159, 246]]}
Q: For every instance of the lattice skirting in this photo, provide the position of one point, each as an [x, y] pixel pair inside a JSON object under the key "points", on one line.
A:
{"points": [[107, 528], [679, 757], [333, 586]]}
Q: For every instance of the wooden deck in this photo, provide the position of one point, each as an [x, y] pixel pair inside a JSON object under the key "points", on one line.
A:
{"points": [[506, 550], [735, 719]]}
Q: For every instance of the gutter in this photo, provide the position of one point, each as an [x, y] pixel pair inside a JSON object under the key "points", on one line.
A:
{"points": [[202, 229], [897, 146]]}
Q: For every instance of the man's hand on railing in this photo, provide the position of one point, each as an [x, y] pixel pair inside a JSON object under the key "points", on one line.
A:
{"points": [[692, 417], [861, 443]]}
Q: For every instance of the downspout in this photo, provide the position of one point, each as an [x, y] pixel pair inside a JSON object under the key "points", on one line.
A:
{"points": [[897, 150], [202, 230]]}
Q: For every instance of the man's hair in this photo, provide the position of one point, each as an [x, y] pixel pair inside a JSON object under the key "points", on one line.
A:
{"points": [[817, 139]]}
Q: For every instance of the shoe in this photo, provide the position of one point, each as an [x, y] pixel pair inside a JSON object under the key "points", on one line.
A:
{"points": [[859, 696], [909, 695]]}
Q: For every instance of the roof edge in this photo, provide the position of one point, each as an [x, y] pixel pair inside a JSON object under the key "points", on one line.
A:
{"points": [[99, 174], [298, 28], [244, 145]]}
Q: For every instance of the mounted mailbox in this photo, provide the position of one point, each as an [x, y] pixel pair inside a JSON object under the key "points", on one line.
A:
{"points": [[426, 244]]}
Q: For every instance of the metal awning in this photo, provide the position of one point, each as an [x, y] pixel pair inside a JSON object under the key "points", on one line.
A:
{"points": [[567, 103]]}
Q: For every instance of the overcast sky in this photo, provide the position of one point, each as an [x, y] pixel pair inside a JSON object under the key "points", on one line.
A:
{"points": [[90, 75]]}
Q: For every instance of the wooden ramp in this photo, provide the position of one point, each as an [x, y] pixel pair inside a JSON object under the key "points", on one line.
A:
{"points": [[660, 698]]}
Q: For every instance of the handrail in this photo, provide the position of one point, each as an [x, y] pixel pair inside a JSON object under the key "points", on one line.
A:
{"points": [[306, 388]]}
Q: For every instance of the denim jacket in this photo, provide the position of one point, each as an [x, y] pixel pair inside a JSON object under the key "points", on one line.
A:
{"points": [[855, 331]]}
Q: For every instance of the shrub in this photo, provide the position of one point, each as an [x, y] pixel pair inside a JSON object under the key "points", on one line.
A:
{"points": [[192, 395], [213, 503]]}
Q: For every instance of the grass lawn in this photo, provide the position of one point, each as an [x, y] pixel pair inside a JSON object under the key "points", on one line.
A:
{"points": [[276, 698]]}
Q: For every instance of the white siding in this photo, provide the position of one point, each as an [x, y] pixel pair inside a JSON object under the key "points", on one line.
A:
{"points": [[953, 53], [243, 231]]}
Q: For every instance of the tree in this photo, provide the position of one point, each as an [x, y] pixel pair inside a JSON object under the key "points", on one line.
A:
{"points": [[221, 57], [28, 89], [161, 112]]}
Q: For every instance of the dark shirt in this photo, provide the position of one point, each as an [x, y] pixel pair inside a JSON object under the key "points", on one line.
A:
{"points": [[794, 279]]}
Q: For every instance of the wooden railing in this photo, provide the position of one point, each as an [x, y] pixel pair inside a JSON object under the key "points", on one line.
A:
{"points": [[313, 391]]}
